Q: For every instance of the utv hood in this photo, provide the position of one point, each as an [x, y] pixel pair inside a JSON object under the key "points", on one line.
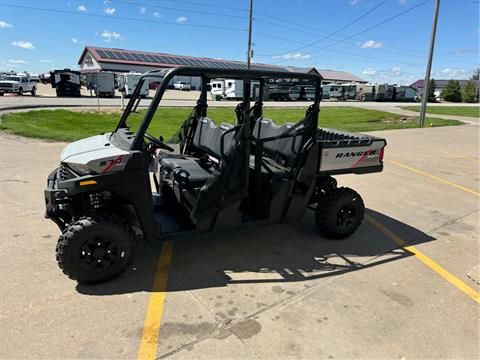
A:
{"points": [[95, 152]]}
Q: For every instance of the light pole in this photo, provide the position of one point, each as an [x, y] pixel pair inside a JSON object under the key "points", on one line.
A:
{"points": [[423, 109], [249, 50]]}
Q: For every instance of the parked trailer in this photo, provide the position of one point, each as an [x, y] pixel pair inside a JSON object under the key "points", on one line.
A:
{"points": [[66, 82], [384, 92], [404, 93], [127, 83], [365, 92], [102, 83]]}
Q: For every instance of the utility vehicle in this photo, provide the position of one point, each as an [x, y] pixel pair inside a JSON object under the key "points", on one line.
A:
{"points": [[224, 176]]}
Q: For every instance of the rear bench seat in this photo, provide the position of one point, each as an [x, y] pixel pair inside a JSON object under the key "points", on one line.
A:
{"points": [[281, 153]]}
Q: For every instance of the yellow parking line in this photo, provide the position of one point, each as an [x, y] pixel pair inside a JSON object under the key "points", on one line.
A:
{"points": [[460, 156], [452, 279], [151, 328], [435, 178]]}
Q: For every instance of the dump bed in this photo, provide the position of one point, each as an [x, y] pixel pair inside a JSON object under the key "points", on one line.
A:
{"points": [[344, 152]]}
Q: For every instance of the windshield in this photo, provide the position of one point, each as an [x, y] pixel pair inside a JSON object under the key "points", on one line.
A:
{"points": [[12, 78]]}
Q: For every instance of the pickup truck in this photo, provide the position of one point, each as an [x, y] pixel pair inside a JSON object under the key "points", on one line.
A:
{"points": [[18, 85], [182, 85]]}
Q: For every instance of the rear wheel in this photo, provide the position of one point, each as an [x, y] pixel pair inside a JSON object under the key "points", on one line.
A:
{"points": [[34, 91], [1, 94], [20, 91], [94, 250], [339, 213]]}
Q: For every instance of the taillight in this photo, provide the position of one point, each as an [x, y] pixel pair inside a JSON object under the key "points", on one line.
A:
{"points": [[382, 152]]}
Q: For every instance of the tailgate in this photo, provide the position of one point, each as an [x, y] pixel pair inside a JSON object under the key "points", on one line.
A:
{"points": [[344, 153]]}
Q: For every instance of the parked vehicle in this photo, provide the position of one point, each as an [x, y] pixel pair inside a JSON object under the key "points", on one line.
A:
{"points": [[101, 83], [182, 85], [17, 84], [294, 94], [225, 177], [45, 78], [66, 82], [404, 93], [365, 92], [384, 92], [127, 83]]}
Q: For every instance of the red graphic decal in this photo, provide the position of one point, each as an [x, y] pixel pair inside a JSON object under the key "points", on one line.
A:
{"points": [[117, 160]]}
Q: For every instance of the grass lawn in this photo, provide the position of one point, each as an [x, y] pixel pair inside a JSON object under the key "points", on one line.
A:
{"points": [[67, 125], [471, 111]]}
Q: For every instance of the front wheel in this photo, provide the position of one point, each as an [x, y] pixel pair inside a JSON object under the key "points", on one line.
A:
{"points": [[339, 213], [94, 250], [34, 91]]}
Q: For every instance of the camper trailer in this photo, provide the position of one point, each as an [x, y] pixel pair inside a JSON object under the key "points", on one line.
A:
{"points": [[127, 83], [404, 93], [228, 89], [365, 92], [384, 92], [102, 83], [66, 82]]}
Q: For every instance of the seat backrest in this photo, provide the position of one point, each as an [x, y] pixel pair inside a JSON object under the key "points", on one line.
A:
{"points": [[208, 137], [285, 149]]}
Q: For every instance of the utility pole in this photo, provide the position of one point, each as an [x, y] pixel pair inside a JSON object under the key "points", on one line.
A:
{"points": [[249, 50], [423, 109]]}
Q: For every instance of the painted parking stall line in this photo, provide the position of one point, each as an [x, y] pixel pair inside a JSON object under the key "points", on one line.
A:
{"points": [[424, 173], [153, 318], [452, 279]]}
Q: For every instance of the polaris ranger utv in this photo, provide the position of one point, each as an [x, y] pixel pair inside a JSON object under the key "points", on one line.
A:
{"points": [[224, 177]]}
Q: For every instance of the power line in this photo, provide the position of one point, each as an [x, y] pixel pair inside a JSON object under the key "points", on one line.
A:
{"points": [[370, 28], [340, 29], [142, 20], [149, 5]]}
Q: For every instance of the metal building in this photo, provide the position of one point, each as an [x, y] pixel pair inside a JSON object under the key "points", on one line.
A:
{"points": [[95, 59]]}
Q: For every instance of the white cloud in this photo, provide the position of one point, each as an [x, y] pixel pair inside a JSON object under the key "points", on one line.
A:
{"points": [[372, 44], [5, 25], [396, 71], [369, 71], [23, 44], [110, 10], [454, 72], [143, 9], [82, 8], [110, 35], [157, 14], [181, 19], [45, 60], [74, 40], [293, 56], [11, 61]]}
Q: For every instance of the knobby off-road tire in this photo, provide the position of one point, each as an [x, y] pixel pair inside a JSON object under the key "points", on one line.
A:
{"points": [[95, 249], [339, 213]]}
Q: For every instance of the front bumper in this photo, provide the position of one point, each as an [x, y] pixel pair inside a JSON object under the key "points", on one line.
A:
{"points": [[54, 197], [8, 90]]}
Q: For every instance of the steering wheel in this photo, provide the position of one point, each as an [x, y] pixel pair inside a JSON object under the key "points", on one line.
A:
{"points": [[158, 143]]}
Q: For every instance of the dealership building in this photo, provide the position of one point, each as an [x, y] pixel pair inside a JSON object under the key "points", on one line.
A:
{"points": [[96, 59]]}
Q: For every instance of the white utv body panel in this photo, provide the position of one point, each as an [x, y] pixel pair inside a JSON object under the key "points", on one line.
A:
{"points": [[97, 153]]}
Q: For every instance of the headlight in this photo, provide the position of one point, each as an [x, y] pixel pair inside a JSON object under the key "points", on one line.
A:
{"points": [[80, 169]]}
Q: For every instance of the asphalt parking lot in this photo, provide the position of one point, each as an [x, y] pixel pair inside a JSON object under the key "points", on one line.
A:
{"points": [[404, 286]]}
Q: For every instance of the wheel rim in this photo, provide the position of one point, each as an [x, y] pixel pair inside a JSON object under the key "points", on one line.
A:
{"points": [[100, 253], [346, 217]]}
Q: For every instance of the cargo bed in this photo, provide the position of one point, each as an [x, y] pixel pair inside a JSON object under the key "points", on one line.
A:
{"points": [[345, 152]]}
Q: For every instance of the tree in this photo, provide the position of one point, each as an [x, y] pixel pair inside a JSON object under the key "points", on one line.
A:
{"points": [[431, 91], [469, 92], [452, 92], [476, 74]]}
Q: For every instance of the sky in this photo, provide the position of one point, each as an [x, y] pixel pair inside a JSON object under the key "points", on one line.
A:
{"points": [[377, 40]]}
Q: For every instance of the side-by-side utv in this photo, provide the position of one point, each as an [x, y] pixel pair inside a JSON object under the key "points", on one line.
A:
{"points": [[221, 177]]}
